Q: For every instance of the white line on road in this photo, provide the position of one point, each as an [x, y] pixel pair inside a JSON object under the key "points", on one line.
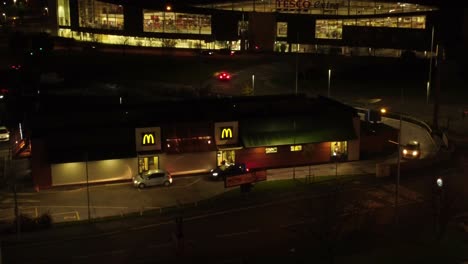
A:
{"points": [[113, 252], [238, 233], [292, 224], [152, 225], [167, 244], [82, 206]]}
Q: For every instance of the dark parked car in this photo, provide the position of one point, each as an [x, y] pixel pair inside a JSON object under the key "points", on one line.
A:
{"points": [[225, 171]]}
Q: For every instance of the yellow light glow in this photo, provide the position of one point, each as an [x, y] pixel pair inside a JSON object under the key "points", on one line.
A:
{"points": [[168, 8], [383, 110]]}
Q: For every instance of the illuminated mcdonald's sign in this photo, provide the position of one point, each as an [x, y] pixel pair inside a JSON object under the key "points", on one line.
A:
{"points": [[226, 132], [147, 139]]}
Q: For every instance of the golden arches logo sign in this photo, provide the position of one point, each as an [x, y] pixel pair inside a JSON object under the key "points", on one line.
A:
{"points": [[147, 139], [226, 133]]}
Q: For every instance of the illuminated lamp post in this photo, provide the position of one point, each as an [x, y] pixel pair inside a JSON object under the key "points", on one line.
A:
{"points": [[336, 157], [253, 84]]}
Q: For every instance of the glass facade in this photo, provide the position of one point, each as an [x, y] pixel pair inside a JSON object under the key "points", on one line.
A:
{"points": [[170, 22], [333, 28], [95, 14], [195, 144], [146, 41], [330, 7], [63, 12], [329, 29], [281, 29]]}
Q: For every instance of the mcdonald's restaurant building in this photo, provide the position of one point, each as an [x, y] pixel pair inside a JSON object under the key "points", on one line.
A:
{"points": [[189, 137]]}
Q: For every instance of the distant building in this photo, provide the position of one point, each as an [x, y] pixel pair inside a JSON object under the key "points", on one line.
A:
{"points": [[353, 27], [107, 141]]}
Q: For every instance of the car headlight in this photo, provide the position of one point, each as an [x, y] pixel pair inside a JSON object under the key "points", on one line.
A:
{"points": [[405, 151], [415, 153], [215, 174], [135, 181]]}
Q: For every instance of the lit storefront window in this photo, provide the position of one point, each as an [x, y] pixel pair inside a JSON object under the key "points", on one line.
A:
{"points": [[339, 148], [416, 22], [333, 29], [170, 22], [95, 14], [296, 148], [329, 29], [145, 41], [194, 144], [331, 7], [281, 29], [271, 150], [63, 12]]}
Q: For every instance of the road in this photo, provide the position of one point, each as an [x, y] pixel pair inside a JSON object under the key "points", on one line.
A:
{"points": [[270, 229], [71, 204]]}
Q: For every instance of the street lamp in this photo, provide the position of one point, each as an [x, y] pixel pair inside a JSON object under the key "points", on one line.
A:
{"points": [[428, 88], [329, 77], [397, 185], [253, 84], [397, 194], [336, 157]]}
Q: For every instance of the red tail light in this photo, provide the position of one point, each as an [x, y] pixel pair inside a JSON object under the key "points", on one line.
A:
{"points": [[247, 169]]}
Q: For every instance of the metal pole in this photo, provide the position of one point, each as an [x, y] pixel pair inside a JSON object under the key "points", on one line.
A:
{"points": [[397, 194], [253, 84], [297, 61], [17, 215], [336, 167], [430, 67], [87, 188], [329, 77]]}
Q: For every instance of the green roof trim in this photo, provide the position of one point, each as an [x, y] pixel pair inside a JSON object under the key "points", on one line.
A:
{"points": [[280, 131]]}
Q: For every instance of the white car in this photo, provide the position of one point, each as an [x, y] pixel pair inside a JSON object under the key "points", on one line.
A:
{"points": [[4, 134], [152, 178]]}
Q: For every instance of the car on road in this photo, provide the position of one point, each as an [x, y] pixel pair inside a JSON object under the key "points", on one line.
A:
{"points": [[226, 52], [224, 76], [206, 52], [223, 171], [4, 134], [412, 150], [152, 178]]}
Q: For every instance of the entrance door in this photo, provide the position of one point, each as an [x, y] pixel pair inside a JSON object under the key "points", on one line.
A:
{"points": [[147, 163], [229, 156]]}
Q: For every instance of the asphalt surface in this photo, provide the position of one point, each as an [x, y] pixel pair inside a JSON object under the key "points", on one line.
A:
{"points": [[69, 205]]}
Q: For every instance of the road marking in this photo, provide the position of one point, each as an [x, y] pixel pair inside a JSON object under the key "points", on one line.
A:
{"points": [[82, 206], [190, 184], [74, 215], [238, 233], [152, 225], [161, 245], [113, 252], [11, 200], [293, 224]]}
